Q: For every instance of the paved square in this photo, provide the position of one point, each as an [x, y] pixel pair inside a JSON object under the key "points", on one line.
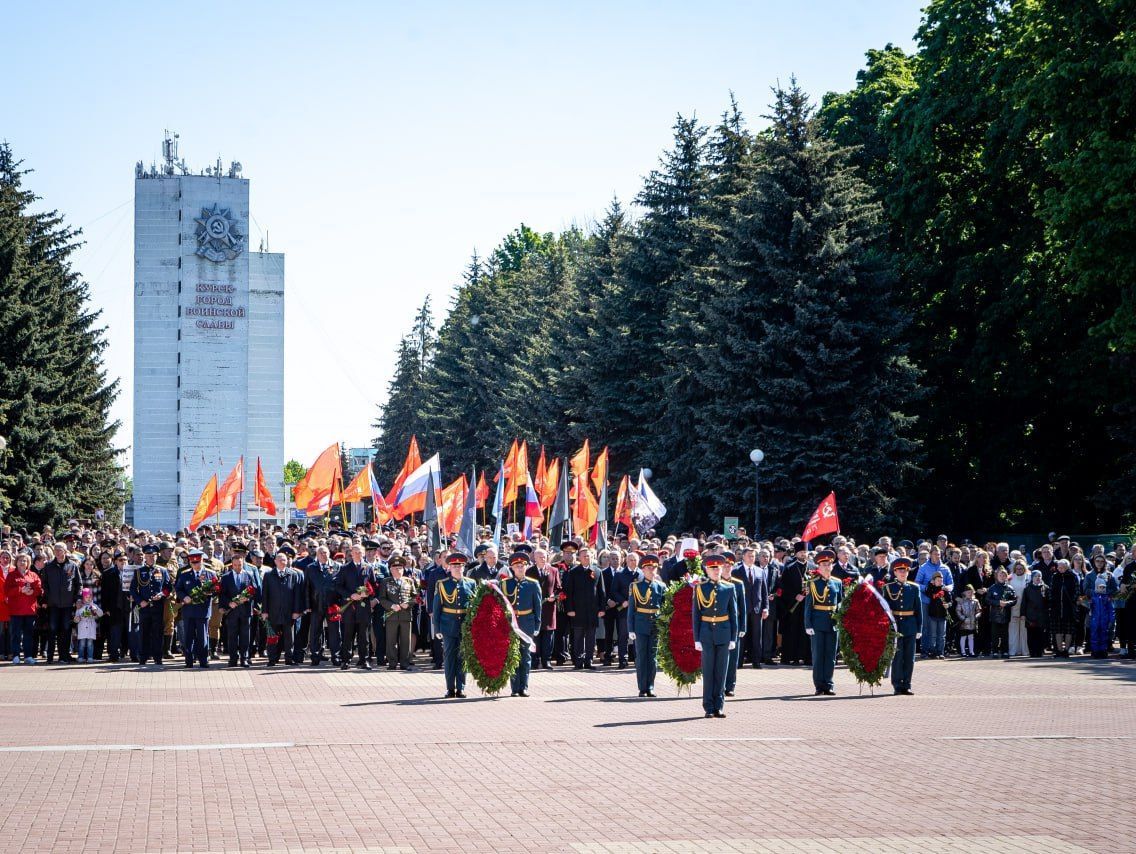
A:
{"points": [[991, 756]]}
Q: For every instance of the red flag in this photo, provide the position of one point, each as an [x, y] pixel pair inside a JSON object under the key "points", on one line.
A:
{"points": [[360, 486], [519, 475], [453, 502], [623, 505], [234, 485], [206, 504], [551, 483], [313, 493], [824, 520], [541, 472], [262, 497], [510, 462], [482, 494], [581, 460], [413, 461], [599, 471], [585, 509]]}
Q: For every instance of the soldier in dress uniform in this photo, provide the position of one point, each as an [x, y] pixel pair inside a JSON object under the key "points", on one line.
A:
{"points": [[903, 598], [194, 616], [646, 598], [524, 595], [715, 614], [148, 591], [743, 621], [822, 596], [451, 599]]}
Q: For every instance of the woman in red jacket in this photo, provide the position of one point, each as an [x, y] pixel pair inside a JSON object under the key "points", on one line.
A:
{"points": [[22, 589], [5, 633]]}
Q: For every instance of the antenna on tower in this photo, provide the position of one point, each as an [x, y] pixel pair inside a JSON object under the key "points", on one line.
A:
{"points": [[169, 152]]}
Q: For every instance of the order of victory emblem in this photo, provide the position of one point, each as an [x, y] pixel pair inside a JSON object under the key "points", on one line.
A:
{"points": [[218, 237]]}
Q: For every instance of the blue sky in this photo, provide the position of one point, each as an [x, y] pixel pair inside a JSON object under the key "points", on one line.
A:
{"points": [[385, 142]]}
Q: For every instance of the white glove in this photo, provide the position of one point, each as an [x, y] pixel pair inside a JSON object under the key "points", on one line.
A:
{"points": [[631, 635], [809, 632], [732, 645], [438, 636], [918, 635], [698, 646]]}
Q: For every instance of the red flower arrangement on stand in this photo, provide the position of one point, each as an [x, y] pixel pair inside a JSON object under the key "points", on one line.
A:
{"points": [[867, 635], [490, 649]]}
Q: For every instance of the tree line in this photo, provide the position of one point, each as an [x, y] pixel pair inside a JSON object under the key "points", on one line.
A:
{"points": [[918, 294]]}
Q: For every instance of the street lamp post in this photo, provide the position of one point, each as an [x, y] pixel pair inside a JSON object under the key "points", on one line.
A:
{"points": [[755, 457]]}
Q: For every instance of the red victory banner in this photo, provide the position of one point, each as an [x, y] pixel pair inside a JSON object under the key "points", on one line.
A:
{"points": [[824, 520]]}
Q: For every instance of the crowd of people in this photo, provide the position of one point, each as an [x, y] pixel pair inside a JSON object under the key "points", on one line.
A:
{"points": [[359, 597]]}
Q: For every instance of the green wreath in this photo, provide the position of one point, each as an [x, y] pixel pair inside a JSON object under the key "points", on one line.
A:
{"points": [[489, 616], [848, 653], [665, 655]]}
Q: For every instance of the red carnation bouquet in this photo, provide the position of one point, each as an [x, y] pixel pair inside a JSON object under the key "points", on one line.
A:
{"points": [[205, 591], [867, 634], [242, 597], [334, 614], [270, 635]]}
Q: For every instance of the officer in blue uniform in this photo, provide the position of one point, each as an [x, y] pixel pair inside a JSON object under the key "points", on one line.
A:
{"points": [[646, 598], [743, 621], [715, 614], [451, 600], [903, 598], [149, 589], [195, 616], [524, 595], [822, 597]]}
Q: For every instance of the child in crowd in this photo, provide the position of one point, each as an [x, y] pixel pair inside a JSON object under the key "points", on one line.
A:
{"points": [[967, 609], [87, 615]]}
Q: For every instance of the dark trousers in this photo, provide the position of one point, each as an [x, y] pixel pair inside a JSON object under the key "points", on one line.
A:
{"points": [[824, 659], [544, 646], [715, 658], [1035, 640], [560, 648], [398, 641], [301, 638], [378, 624], [452, 662], [752, 645], [794, 641], [150, 634], [284, 642], [356, 622], [768, 638], [60, 620], [1000, 638], [732, 659], [238, 630], [115, 627], [646, 647], [23, 635], [903, 665], [615, 629], [196, 639], [583, 644], [520, 679]]}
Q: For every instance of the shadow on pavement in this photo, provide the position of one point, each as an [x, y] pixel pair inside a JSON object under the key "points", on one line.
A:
{"points": [[611, 724]]}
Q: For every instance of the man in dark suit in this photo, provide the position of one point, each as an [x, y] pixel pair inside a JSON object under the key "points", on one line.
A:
{"points": [[320, 576], [617, 582], [195, 616], [356, 609], [284, 600], [584, 589], [237, 603], [757, 602]]}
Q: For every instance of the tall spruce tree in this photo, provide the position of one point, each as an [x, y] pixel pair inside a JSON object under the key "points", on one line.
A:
{"points": [[806, 360], [54, 397]]}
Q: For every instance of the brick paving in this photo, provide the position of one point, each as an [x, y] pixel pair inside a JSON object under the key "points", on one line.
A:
{"points": [[991, 756]]}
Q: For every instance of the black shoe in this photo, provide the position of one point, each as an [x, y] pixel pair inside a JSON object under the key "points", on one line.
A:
{"points": [[314, 662], [757, 667], [366, 665], [522, 693], [829, 692], [461, 695], [589, 666], [729, 693], [450, 695], [818, 692], [652, 694], [642, 693], [908, 692], [392, 667], [271, 664], [719, 714], [623, 664], [189, 664], [245, 664], [205, 665], [709, 714], [577, 667], [345, 666], [231, 664]]}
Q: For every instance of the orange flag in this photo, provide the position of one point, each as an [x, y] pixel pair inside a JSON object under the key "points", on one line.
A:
{"points": [[623, 505], [586, 509], [453, 503], [482, 494], [206, 504], [581, 460], [551, 481], [541, 473], [232, 487], [315, 488], [510, 463], [519, 475], [599, 471], [262, 497], [413, 462], [360, 486]]}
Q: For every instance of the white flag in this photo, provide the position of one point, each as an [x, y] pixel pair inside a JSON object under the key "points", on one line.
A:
{"points": [[646, 508]]}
